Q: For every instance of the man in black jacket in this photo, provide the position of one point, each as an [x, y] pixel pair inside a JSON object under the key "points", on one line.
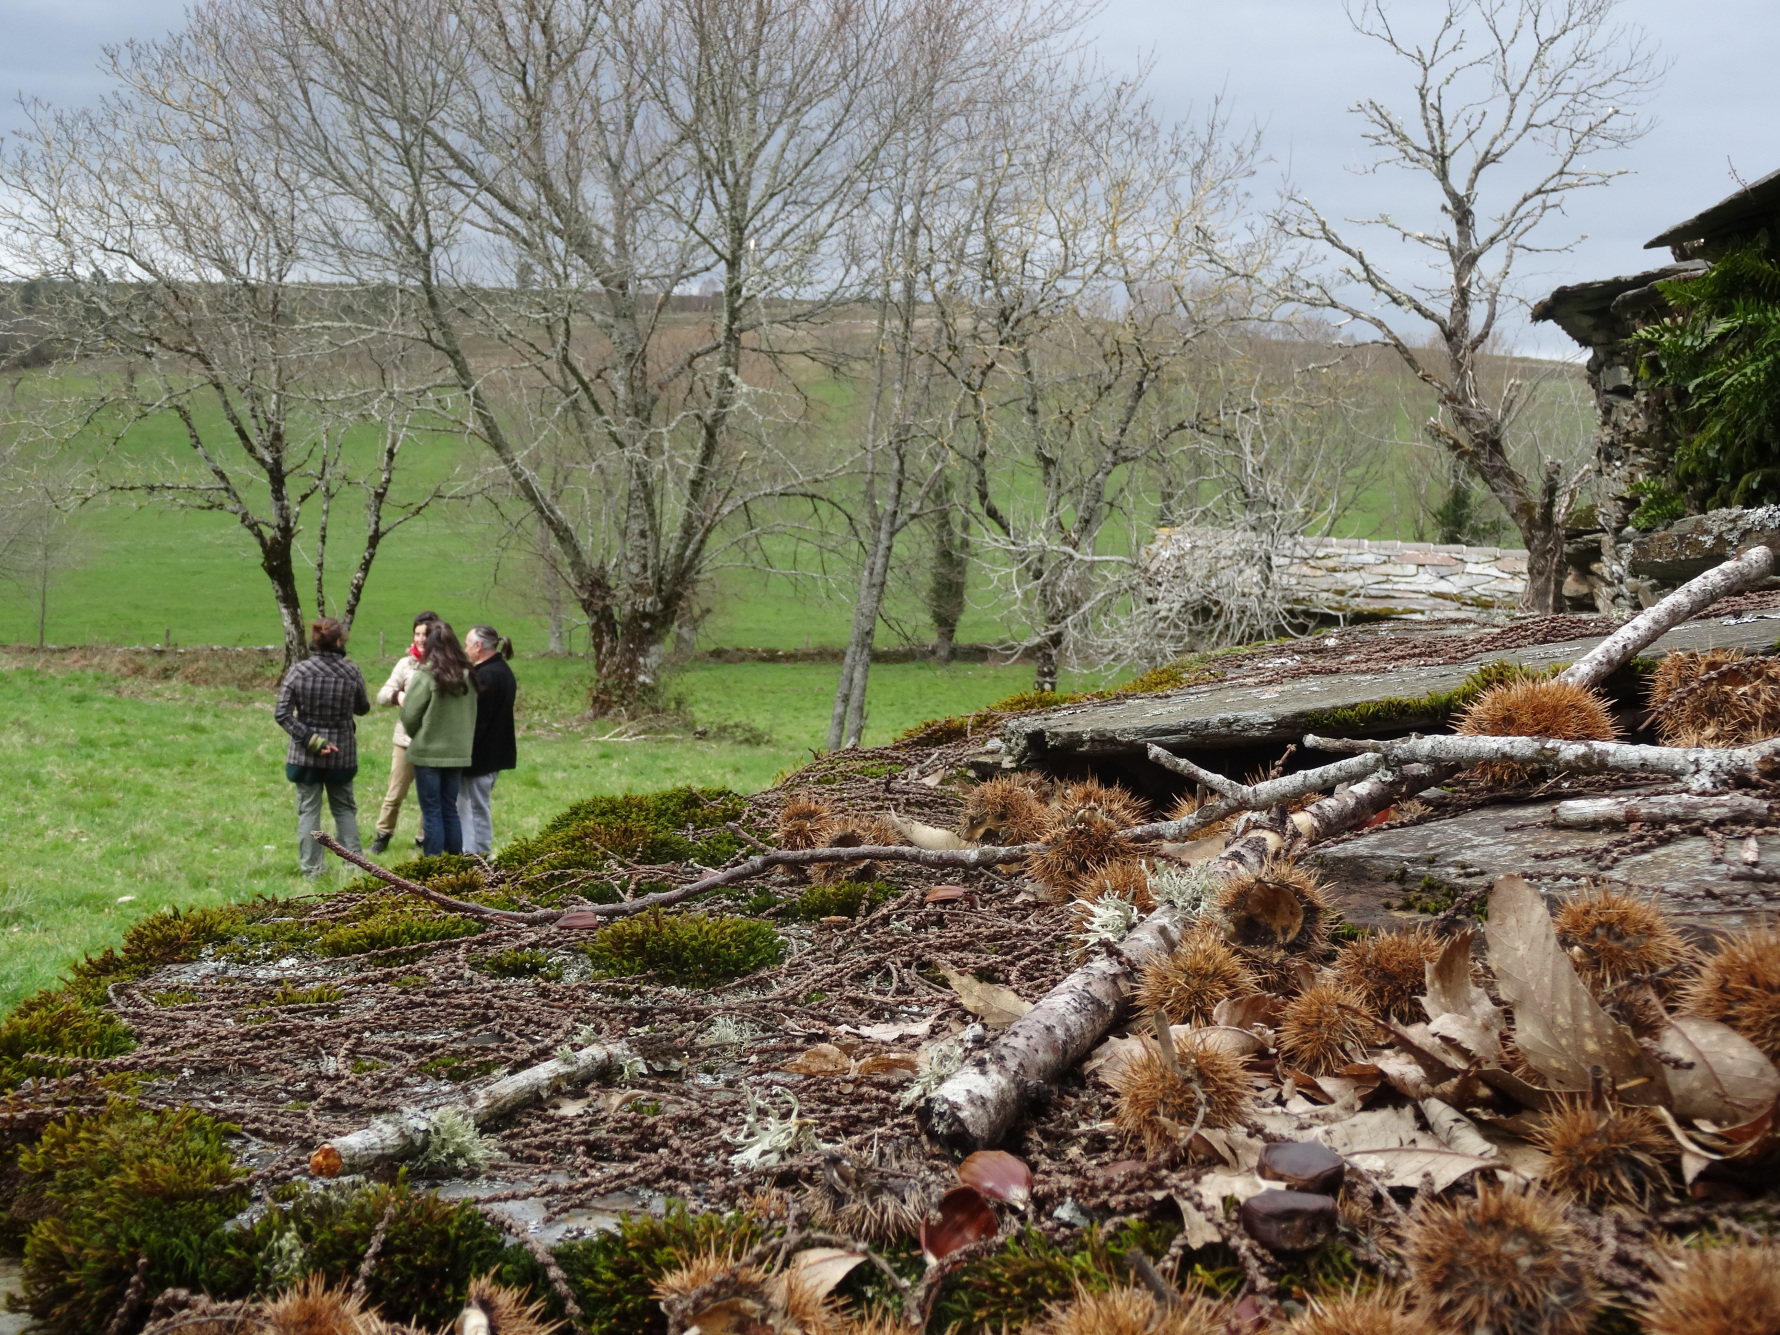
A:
{"points": [[496, 746]]}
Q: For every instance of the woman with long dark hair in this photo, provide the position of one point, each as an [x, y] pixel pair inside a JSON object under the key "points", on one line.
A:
{"points": [[439, 716], [497, 746], [317, 704]]}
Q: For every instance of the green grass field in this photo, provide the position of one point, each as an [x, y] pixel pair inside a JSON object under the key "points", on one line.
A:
{"points": [[125, 796]]}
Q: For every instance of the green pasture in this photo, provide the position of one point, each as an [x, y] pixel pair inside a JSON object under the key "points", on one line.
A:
{"points": [[126, 796]]}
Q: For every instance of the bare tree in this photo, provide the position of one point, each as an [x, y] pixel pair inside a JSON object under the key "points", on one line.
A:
{"points": [[1096, 252], [1274, 459], [173, 237], [550, 180], [1514, 104]]}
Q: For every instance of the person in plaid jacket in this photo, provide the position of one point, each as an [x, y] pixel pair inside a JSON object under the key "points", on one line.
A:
{"points": [[317, 705]]}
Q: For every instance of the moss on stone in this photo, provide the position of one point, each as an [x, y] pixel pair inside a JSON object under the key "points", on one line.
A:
{"points": [[1395, 710], [521, 964], [613, 1274], [843, 899], [683, 949], [108, 1189]]}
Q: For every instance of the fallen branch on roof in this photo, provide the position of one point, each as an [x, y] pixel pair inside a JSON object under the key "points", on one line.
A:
{"points": [[1702, 768], [591, 915], [405, 1133], [973, 1108], [1654, 622], [1237, 797], [1587, 813]]}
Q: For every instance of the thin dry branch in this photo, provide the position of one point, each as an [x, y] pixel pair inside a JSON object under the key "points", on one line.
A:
{"points": [[1703, 769], [1653, 623], [1246, 797]]}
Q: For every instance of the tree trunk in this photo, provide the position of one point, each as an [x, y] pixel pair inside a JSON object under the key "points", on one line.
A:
{"points": [[1045, 678], [951, 570]]}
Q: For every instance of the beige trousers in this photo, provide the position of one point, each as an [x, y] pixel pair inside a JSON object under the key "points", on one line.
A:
{"points": [[401, 774]]}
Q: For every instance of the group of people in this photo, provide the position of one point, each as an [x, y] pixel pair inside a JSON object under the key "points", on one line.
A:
{"points": [[454, 735]]}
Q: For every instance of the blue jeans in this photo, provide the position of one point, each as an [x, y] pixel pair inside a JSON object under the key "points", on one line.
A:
{"points": [[437, 791]]}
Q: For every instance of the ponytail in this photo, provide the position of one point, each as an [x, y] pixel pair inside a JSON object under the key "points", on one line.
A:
{"points": [[493, 639]]}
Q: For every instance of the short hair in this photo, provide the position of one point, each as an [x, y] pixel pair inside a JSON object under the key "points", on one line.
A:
{"points": [[426, 618], [325, 633]]}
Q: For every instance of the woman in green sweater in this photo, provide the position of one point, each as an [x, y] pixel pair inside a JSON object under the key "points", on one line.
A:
{"points": [[439, 716]]}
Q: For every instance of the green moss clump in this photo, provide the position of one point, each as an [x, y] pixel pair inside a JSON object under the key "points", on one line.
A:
{"points": [[1010, 1287], [392, 928], [521, 964], [613, 1275], [322, 994], [116, 1186], [458, 1069], [432, 1250], [1435, 706], [686, 949], [843, 899], [54, 1024], [678, 825]]}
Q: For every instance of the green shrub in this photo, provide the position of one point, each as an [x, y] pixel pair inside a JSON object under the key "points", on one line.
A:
{"points": [[612, 1275], [111, 1188], [688, 949], [430, 1253], [843, 899]]}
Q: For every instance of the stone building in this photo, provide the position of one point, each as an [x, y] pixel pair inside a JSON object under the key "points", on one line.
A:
{"points": [[1637, 435]]}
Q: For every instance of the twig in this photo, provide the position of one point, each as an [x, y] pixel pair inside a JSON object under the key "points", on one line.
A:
{"points": [[372, 1248], [120, 1319], [1701, 768], [1246, 797], [1650, 625], [746, 838], [1166, 1297]]}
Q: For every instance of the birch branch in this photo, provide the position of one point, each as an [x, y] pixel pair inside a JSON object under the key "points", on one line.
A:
{"points": [[1246, 797], [979, 1102], [404, 1133], [1587, 813], [1703, 769], [1653, 623]]}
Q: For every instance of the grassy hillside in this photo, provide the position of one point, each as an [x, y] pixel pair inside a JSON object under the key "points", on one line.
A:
{"points": [[130, 795]]}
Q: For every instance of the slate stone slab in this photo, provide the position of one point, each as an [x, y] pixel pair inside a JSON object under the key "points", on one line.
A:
{"points": [[1693, 545], [1367, 870], [1231, 714]]}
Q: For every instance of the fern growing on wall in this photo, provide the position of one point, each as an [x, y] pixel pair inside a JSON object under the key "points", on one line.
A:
{"points": [[1722, 350]]}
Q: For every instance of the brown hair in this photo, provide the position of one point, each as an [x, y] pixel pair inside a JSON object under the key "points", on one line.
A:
{"points": [[445, 659], [327, 635]]}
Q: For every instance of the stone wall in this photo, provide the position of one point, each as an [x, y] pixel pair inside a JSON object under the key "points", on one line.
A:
{"points": [[1360, 577]]}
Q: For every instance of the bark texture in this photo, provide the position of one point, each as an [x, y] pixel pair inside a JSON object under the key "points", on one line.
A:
{"points": [[404, 1133]]}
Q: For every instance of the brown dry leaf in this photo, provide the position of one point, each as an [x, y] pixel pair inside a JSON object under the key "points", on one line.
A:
{"points": [[817, 1270], [1203, 1202], [732, 1316], [996, 1006], [944, 894], [885, 1062], [823, 1059], [890, 1032], [1458, 1009], [929, 836], [1730, 1079], [1456, 1131], [1559, 1027], [326, 1162], [1387, 1143], [1247, 1012]]}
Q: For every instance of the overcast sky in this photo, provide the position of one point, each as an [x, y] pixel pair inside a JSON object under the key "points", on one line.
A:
{"points": [[1294, 66]]}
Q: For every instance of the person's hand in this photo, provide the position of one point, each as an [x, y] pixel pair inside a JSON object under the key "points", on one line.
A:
{"points": [[330, 750], [401, 697]]}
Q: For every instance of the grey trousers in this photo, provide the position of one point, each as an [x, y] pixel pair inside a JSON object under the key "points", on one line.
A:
{"points": [[474, 797], [345, 811]]}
